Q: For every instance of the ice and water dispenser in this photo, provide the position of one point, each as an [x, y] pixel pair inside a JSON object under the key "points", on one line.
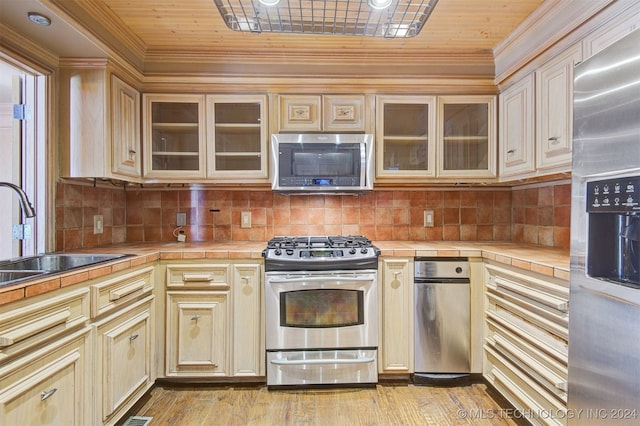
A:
{"points": [[613, 210]]}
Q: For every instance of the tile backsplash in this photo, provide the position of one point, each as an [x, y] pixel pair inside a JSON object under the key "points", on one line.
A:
{"points": [[536, 215]]}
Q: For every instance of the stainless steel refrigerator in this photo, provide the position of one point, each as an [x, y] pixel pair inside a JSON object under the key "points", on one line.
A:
{"points": [[604, 315]]}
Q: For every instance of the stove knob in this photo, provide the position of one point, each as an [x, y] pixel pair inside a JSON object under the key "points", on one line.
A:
{"points": [[278, 252], [289, 252], [363, 250], [352, 251]]}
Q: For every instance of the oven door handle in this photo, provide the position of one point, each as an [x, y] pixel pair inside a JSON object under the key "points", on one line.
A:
{"points": [[315, 278], [286, 361]]}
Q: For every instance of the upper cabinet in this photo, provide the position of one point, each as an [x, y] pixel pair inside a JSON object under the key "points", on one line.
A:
{"points": [[467, 136], [174, 136], [321, 113], [237, 137], [99, 124], [517, 128], [554, 110], [405, 136]]}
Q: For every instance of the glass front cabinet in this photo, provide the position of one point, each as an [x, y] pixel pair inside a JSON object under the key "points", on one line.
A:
{"points": [[467, 136], [236, 137], [174, 136], [405, 136]]}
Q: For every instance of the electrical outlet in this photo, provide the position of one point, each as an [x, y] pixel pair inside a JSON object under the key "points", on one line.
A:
{"points": [[428, 218], [181, 219], [98, 224], [245, 220]]}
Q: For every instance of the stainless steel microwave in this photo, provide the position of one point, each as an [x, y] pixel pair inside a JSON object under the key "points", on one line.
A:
{"points": [[322, 162]]}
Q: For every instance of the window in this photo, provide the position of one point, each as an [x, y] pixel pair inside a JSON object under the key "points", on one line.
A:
{"points": [[23, 161]]}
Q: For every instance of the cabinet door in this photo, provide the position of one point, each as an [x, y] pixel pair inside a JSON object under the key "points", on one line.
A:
{"points": [[397, 316], [554, 110], [237, 137], [300, 113], [517, 129], [125, 357], [343, 113], [174, 136], [248, 345], [405, 136], [125, 129], [467, 136], [48, 386], [197, 337]]}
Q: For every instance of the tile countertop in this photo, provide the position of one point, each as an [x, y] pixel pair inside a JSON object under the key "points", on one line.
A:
{"points": [[544, 260]]}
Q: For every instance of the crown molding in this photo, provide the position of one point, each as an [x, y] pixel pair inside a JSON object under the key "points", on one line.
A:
{"points": [[15, 44]]}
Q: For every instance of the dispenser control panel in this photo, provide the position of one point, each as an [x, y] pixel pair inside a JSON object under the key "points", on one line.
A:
{"points": [[619, 195]]}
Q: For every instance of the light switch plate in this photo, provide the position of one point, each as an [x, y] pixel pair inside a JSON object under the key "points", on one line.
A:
{"points": [[181, 219], [245, 220], [428, 218], [98, 224]]}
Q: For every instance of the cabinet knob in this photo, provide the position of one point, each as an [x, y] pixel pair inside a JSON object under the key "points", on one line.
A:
{"points": [[554, 140], [134, 337], [47, 394], [511, 151], [132, 151]]}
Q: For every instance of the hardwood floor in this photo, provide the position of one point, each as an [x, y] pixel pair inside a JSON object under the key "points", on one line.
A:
{"points": [[181, 405]]}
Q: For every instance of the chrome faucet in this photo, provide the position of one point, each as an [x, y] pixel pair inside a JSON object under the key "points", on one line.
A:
{"points": [[27, 208]]}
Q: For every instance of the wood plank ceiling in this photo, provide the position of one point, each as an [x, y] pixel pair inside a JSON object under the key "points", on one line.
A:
{"points": [[190, 35]]}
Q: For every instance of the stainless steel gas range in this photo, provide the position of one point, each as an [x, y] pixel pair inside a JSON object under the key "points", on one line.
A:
{"points": [[321, 297]]}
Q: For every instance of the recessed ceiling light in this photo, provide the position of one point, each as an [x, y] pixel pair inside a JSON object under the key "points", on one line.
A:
{"points": [[269, 2], [379, 4], [39, 19]]}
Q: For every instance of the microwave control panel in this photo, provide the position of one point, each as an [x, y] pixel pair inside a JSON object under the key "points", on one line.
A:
{"points": [[619, 195]]}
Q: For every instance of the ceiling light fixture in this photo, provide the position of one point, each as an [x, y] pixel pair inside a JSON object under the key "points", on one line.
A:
{"points": [[269, 2], [371, 18], [379, 4], [39, 19]]}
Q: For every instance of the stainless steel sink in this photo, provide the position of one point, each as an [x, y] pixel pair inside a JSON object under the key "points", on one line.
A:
{"points": [[19, 269]]}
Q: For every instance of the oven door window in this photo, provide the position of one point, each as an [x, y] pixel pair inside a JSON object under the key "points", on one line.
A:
{"points": [[322, 308]]}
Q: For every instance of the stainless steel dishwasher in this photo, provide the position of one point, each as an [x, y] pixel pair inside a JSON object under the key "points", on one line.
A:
{"points": [[442, 320]]}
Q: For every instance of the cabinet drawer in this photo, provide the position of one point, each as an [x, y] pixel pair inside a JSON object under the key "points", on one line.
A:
{"points": [[35, 320], [113, 293], [199, 276], [48, 386]]}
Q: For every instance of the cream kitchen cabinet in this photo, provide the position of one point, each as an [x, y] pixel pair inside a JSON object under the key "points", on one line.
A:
{"points": [[526, 340], [99, 123], [124, 359], [321, 113], [248, 348], [45, 357], [405, 136], [554, 110], [174, 136], [517, 129], [214, 319], [396, 316], [197, 333], [49, 385], [237, 137], [466, 137]]}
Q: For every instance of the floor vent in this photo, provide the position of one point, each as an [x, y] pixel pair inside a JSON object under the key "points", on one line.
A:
{"points": [[138, 421]]}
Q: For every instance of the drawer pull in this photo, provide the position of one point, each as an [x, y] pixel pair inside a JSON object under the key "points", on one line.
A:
{"points": [[47, 394], [195, 318], [190, 278], [33, 327], [121, 292], [511, 151], [554, 140], [134, 337], [563, 386], [246, 278]]}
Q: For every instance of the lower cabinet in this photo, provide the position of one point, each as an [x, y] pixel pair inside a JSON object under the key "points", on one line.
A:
{"points": [[396, 316], [214, 320], [123, 359], [526, 341], [50, 385], [197, 338]]}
